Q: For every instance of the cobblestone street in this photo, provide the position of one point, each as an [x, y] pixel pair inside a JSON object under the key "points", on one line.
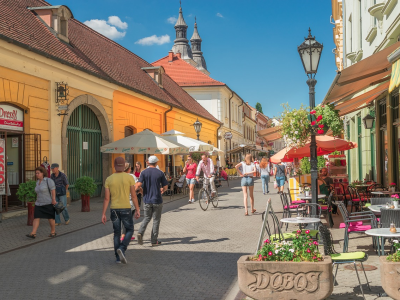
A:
{"points": [[196, 261]]}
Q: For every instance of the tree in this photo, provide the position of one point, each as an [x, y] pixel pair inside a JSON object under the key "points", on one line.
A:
{"points": [[259, 107]]}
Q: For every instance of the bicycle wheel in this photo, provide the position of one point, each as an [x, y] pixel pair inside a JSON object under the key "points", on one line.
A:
{"points": [[215, 199], [203, 199]]}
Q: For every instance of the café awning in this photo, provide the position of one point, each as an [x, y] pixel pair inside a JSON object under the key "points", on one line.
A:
{"points": [[270, 134]]}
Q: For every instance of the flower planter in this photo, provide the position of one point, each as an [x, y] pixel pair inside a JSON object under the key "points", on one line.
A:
{"points": [[85, 203], [392, 189], [31, 213], [316, 129], [390, 277], [285, 280], [307, 193], [395, 204]]}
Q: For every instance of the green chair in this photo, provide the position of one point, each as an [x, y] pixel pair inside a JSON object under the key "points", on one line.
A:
{"points": [[342, 258]]}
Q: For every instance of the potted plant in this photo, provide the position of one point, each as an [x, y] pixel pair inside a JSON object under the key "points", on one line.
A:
{"points": [[390, 277], [392, 187], [395, 199], [307, 191], [85, 186], [26, 193], [287, 270]]}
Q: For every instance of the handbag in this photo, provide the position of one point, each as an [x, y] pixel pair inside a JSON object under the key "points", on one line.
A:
{"points": [[275, 185], [59, 206]]}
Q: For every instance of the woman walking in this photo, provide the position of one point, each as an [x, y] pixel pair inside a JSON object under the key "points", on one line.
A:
{"points": [[190, 170], [139, 198], [246, 172], [46, 199], [280, 176], [264, 172], [138, 169]]}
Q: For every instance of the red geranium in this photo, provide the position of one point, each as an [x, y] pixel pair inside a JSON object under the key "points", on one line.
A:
{"points": [[313, 112], [320, 131], [319, 118], [321, 125], [313, 123]]}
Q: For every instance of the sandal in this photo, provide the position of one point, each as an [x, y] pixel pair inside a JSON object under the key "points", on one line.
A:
{"points": [[246, 214], [53, 235], [253, 211], [31, 236]]}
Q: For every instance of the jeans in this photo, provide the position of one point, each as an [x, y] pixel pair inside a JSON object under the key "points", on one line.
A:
{"points": [[151, 211], [280, 181], [63, 200], [265, 181], [117, 217], [139, 198]]}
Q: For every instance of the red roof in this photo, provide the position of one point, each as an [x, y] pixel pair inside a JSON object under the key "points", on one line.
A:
{"points": [[91, 52], [184, 73]]}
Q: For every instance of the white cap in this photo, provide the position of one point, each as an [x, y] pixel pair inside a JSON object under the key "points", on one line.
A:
{"points": [[152, 159]]}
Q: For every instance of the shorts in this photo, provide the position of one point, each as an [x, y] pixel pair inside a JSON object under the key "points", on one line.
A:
{"points": [[191, 181], [280, 181], [247, 181]]}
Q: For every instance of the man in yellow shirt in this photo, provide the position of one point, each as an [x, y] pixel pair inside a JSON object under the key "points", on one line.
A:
{"points": [[119, 185]]}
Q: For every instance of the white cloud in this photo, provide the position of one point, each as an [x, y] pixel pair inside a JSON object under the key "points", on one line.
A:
{"points": [[151, 40], [219, 15], [108, 28], [172, 20], [116, 21]]}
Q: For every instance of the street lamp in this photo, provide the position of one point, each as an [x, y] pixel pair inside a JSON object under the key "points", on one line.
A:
{"points": [[310, 53], [262, 145], [197, 127], [243, 145], [368, 121]]}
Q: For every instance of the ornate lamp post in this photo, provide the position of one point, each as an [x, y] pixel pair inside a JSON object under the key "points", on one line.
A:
{"points": [[197, 127], [262, 145], [310, 53]]}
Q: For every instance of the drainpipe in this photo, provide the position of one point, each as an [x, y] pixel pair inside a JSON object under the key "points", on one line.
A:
{"points": [[243, 119], [230, 126], [218, 143], [165, 128]]}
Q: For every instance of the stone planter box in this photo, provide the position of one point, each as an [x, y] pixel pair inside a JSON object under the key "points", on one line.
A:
{"points": [[390, 277], [285, 280]]}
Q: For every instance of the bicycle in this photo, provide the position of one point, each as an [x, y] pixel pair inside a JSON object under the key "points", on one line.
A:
{"points": [[204, 195]]}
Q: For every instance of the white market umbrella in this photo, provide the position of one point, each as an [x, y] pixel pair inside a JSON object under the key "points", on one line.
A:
{"points": [[178, 137], [145, 142]]}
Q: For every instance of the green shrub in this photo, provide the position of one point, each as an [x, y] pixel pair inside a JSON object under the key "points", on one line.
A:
{"points": [[26, 191], [85, 185]]}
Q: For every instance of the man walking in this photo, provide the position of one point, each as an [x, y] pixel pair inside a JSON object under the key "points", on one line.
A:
{"points": [[61, 182], [153, 182], [119, 185]]}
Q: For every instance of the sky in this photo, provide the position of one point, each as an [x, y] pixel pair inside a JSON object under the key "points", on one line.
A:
{"points": [[251, 45]]}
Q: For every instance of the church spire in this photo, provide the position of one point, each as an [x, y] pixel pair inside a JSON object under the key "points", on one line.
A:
{"points": [[196, 48], [181, 43]]}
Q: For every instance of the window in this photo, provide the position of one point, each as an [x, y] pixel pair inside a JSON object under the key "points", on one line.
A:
{"points": [[359, 128], [360, 29], [238, 114], [128, 132], [351, 34], [384, 142], [226, 109]]}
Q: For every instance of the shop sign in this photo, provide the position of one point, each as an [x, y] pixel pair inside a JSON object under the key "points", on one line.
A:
{"points": [[228, 135], [14, 142], [11, 118]]}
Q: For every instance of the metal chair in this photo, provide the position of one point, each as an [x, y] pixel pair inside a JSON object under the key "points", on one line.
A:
{"points": [[273, 228], [355, 198], [342, 258], [287, 208], [185, 188], [379, 201], [354, 222], [293, 202], [170, 191]]}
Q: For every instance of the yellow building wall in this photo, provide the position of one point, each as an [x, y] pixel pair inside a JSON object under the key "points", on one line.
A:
{"points": [[138, 114], [29, 93]]}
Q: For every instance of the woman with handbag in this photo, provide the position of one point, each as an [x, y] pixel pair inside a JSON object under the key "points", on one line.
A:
{"points": [[46, 199], [190, 171], [280, 176], [264, 171]]}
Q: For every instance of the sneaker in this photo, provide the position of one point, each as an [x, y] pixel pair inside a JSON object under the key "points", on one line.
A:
{"points": [[122, 256], [193, 200], [190, 201], [132, 238], [140, 239], [264, 193], [66, 223], [267, 192], [156, 244], [58, 224], [118, 261]]}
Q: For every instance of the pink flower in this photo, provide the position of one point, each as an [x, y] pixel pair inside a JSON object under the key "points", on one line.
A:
{"points": [[314, 257], [395, 196], [313, 112], [313, 123], [393, 183], [309, 244], [321, 125], [307, 231], [308, 251], [320, 131], [323, 106], [270, 253], [260, 256], [315, 243], [319, 118], [266, 241], [298, 231]]}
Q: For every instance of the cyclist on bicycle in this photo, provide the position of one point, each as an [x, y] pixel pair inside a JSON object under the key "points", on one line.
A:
{"points": [[207, 166]]}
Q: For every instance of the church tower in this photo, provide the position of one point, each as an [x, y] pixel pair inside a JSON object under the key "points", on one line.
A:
{"points": [[196, 49], [181, 43]]}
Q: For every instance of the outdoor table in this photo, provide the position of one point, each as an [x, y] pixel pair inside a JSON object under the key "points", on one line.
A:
{"points": [[384, 192], [376, 209], [302, 220], [304, 197], [382, 233]]}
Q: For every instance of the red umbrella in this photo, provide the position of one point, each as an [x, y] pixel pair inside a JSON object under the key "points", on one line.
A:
{"points": [[325, 145]]}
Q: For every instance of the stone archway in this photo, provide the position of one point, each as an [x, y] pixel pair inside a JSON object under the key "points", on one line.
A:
{"points": [[102, 117]]}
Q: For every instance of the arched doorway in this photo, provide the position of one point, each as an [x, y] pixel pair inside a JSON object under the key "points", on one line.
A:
{"points": [[83, 153]]}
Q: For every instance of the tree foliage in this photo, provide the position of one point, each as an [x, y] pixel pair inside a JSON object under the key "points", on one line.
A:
{"points": [[259, 107]]}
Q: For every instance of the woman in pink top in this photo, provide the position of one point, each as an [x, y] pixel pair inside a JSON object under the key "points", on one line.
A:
{"points": [[138, 169], [190, 170]]}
